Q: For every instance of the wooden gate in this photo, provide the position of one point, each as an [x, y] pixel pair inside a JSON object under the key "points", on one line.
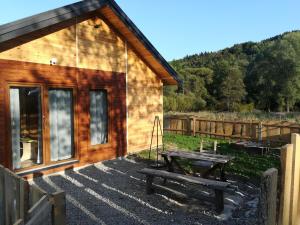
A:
{"points": [[21, 203]]}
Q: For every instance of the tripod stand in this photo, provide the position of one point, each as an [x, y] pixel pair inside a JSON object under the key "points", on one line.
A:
{"points": [[156, 125]]}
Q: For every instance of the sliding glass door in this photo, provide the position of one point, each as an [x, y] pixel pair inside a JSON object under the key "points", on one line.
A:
{"points": [[26, 126], [61, 124]]}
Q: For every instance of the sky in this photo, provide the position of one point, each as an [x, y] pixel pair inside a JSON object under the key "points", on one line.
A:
{"points": [[178, 28]]}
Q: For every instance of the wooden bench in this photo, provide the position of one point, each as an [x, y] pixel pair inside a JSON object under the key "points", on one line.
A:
{"points": [[218, 186]]}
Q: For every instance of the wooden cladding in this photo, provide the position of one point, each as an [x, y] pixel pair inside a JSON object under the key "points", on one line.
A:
{"points": [[138, 46], [83, 51], [145, 101], [82, 81], [90, 44]]}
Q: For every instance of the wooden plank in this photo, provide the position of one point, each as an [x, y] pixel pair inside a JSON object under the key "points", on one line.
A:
{"points": [[24, 199], [295, 196], [10, 197], [36, 194], [58, 200], [286, 178], [218, 185], [268, 197], [36, 207], [199, 156], [41, 213], [19, 222]]}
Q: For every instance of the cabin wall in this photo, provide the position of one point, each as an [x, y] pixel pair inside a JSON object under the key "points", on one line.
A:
{"points": [[104, 59], [81, 81], [81, 46], [145, 101]]}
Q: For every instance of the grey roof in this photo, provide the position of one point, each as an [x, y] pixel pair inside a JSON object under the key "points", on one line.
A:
{"points": [[44, 20]]}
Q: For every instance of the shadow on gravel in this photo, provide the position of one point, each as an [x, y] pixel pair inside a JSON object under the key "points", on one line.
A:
{"points": [[113, 192]]}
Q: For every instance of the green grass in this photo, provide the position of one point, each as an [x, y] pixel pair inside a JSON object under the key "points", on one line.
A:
{"points": [[247, 165]]}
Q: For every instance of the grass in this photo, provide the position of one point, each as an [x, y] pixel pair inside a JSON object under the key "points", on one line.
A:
{"points": [[247, 165]]}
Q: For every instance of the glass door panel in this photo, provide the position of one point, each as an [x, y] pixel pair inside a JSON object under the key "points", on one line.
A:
{"points": [[61, 124], [26, 126]]}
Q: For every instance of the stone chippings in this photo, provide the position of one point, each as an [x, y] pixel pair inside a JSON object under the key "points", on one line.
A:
{"points": [[113, 192]]}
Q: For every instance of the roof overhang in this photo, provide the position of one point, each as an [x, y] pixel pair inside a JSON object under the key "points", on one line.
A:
{"points": [[33, 27]]}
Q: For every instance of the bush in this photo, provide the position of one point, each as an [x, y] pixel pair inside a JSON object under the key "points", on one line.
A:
{"points": [[246, 107]]}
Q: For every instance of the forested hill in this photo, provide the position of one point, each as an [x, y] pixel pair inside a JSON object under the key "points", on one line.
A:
{"points": [[263, 75]]}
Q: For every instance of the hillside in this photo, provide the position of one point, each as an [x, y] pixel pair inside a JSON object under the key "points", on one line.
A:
{"points": [[263, 75]]}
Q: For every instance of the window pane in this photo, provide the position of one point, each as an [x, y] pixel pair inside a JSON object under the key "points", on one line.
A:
{"points": [[98, 117], [61, 124], [26, 126]]}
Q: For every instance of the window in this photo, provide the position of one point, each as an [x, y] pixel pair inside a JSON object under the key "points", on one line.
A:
{"points": [[61, 124], [26, 126], [98, 117]]}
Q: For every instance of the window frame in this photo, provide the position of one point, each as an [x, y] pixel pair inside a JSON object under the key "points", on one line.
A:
{"points": [[75, 154], [109, 115]]}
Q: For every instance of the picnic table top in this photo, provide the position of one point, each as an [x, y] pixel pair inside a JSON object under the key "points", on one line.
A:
{"points": [[216, 158]]}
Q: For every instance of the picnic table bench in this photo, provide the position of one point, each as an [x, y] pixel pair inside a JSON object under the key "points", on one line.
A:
{"points": [[219, 186], [209, 162]]}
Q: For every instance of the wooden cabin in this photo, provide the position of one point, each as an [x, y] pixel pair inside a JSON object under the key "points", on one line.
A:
{"points": [[78, 84]]}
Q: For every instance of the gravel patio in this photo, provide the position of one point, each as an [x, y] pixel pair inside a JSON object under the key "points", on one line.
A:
{"points": [[113, 192]]}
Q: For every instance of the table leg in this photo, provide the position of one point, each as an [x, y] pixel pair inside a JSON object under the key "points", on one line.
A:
{"points": [[222, 173], [173, 160], [168, 163]]}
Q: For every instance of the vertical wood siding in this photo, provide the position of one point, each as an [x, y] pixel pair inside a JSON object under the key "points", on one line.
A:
{"points": [[145, 101]]}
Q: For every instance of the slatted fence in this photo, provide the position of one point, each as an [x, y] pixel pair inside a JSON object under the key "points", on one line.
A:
{"points": [[21, 203], [273, 133]]}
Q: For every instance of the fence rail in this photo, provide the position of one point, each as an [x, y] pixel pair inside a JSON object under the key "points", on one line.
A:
{"points": [[273, 133], [24, 204]]}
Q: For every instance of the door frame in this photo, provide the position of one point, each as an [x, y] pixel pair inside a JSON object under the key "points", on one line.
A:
{"points": [[8, 119], [44, 87]]}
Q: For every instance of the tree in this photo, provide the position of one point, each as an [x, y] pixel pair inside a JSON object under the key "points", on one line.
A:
{"points": [[233, 89], [269, 77]]}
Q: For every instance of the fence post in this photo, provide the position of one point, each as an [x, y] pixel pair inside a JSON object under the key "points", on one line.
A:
{"points": [[58, 200], [268, 197], [194, 126], [296, 179], [2, 196], [260, 128], [286, 183], [188, 126], [215, 146], [201, 145]]}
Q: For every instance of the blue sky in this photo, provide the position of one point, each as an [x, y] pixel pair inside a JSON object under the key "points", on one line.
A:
{"points": [[178, 28]]}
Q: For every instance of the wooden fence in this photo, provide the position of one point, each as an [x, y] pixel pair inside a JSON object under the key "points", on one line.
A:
{"points": [[273, 133], [21, 203], [289, 210]]}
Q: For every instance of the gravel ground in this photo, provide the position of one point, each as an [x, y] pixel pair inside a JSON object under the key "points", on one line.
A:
{"points": [[112, 192]]}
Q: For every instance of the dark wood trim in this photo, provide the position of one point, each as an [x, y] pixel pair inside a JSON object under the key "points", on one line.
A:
{"points": [[47, 167], [81, 81]]}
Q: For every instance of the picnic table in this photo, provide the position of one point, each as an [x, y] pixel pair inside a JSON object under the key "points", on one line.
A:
{"points": [[209, 162]]}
